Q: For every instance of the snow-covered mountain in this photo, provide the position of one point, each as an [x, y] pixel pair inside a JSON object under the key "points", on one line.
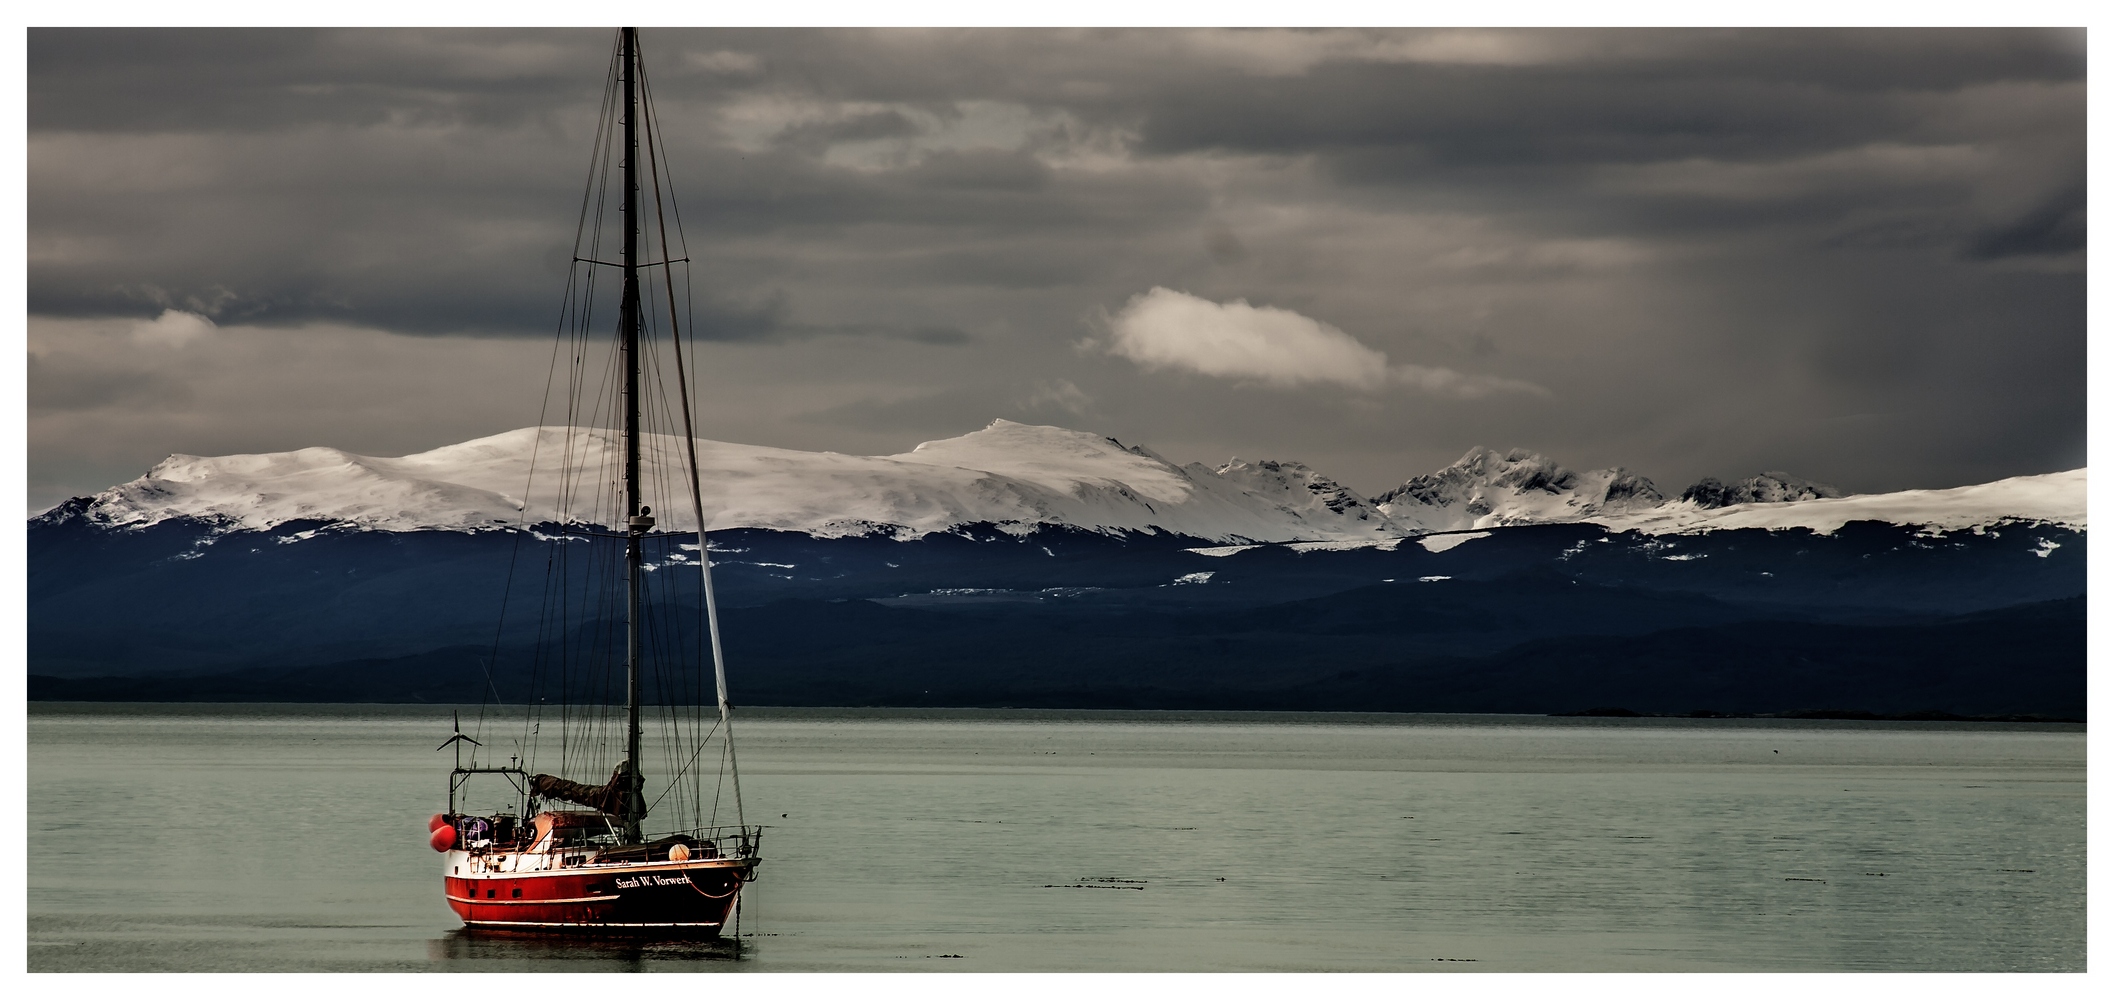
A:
{"points": [[1769, 487], [1013, 476], [923, 579], [1008, 474], [1485, 489], [2057, 498]]}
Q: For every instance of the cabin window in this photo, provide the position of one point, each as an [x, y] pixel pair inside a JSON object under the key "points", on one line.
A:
{"points": [[491, 894], [582, 836], [517, 894]]}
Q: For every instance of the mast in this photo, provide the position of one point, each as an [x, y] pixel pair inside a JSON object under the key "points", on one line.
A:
{"points": [[697, 500], [640, 518]]}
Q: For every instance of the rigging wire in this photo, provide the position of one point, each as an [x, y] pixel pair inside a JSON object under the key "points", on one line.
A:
{"points": [[491, 695], [704, 552], [579, 626]]}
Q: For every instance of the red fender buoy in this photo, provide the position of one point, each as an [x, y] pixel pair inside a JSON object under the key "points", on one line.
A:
{"points": [[443, 838], [439, 820]]}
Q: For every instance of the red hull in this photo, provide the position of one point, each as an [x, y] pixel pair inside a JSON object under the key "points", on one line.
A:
{"points": [[686, 896]]}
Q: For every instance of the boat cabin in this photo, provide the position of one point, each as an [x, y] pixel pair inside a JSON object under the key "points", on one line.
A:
{"points": [[555, 830]]}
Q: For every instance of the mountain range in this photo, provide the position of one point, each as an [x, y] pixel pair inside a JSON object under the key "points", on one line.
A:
{"points": [[1039, 566], [1014, 476]]}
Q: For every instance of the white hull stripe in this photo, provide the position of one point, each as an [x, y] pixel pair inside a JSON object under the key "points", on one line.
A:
{"points": [[554, 923], [585, 870], [531, 902]]}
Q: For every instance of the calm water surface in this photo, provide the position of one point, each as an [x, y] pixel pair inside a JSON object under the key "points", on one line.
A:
{"points": [[279, 838]]}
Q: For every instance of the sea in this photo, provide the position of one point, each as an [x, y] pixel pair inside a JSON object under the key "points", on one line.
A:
{"points": [[231, 838]]}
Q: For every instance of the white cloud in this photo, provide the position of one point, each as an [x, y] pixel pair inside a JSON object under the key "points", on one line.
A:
{"points": [[1165, 329], [173, 328]]}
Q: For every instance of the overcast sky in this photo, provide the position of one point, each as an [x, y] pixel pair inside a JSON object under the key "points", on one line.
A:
{"points": [[1857, 256]]}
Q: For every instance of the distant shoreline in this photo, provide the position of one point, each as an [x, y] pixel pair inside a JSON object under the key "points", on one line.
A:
{"points": [[1173, 716]]}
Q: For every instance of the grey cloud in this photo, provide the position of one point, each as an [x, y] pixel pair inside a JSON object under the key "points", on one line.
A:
{"points": [[987, 170], [716, 319], [936, 414], [948, 412], [1855, 255], [2055, 227], [266, 79], [939, 336], [1705, 93], [814, 138], [57, 385], [936, 335]]}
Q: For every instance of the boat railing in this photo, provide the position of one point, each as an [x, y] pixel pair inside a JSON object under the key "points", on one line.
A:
{"points": [[737, 842]]}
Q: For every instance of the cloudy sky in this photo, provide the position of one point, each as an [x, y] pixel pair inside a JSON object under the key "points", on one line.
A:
{"points": [[1857, 256]]}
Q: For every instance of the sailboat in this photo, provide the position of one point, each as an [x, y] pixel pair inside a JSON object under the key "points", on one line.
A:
{"points": [[636, 853]]}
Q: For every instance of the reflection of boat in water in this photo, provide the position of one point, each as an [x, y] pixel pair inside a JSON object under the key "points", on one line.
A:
{"points": [[554, 853], [485, 949]]}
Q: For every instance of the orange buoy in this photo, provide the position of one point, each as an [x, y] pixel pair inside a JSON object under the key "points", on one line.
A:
{"points": [[680, 852], [443, 838], [439, 820]]}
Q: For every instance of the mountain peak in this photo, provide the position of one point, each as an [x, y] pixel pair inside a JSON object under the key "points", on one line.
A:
{"points": [[1301, 491], [1486, 488], [1056, 458], [1769, 487], [1003, 434]]}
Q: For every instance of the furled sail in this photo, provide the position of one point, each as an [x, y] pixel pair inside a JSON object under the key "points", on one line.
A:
{"points": [[608, 797]]}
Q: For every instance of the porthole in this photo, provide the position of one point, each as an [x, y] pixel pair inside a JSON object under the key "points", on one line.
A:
{"points": [[517, 894]]}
